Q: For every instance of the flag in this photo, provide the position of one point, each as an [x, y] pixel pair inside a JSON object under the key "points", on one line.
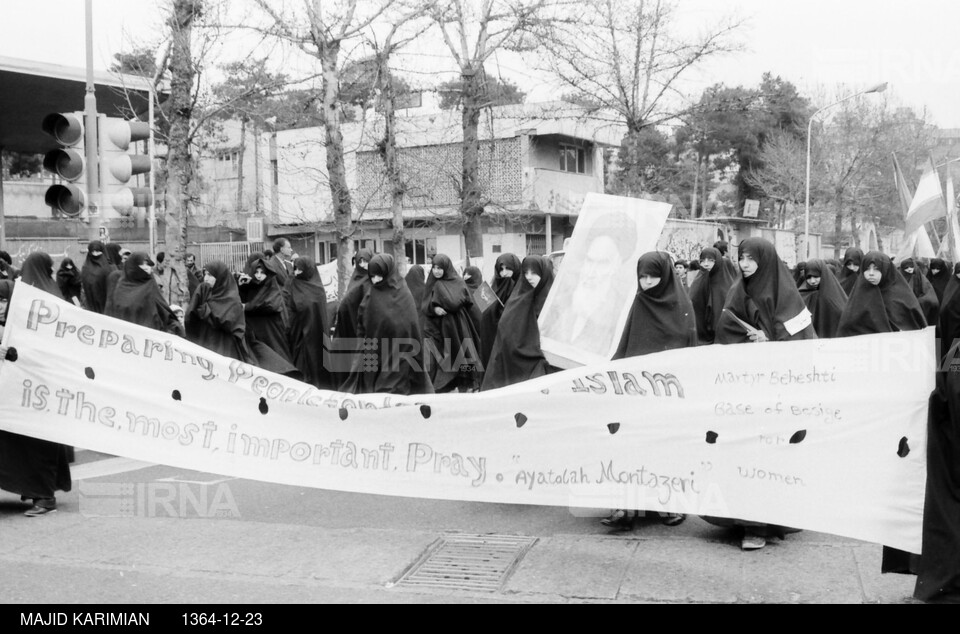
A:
{"points": [[950, 249], [484, 297], [916, 245], [927, 203], [900, 182]]}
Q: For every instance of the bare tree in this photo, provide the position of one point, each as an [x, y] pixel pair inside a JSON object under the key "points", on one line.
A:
{"points": [[624, 57], [193, 30], [329, 25], [385, 87], [850, 178], [180, 167], [782, 177], [473, 32]]}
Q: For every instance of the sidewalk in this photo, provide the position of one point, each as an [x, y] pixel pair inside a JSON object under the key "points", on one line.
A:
{"points": [[66, 557]]}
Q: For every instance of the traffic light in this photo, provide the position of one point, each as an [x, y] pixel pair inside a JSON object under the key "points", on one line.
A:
{"points": [[118, 166], [68, 198]]}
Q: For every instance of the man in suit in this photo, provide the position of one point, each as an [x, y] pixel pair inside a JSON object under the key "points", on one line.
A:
{"points": [[283, 256]]}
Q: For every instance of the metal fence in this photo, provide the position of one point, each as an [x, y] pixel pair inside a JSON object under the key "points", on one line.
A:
{"points": [[234, 254]]}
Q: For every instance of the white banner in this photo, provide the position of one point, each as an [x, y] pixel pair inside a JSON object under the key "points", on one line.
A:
{"points": [[330, 279], [826, 435]]}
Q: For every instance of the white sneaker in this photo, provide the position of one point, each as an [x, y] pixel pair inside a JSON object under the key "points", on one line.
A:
{"points": [[752, 542]]}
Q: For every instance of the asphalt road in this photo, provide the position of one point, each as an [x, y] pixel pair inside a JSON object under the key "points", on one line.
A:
{"points": [[130, 533]]}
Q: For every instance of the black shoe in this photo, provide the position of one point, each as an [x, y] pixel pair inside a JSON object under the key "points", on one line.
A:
{"points": [[619, 519], [36, 510]]}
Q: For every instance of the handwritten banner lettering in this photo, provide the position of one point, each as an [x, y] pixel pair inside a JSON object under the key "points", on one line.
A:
{"points": [[825, 435]]}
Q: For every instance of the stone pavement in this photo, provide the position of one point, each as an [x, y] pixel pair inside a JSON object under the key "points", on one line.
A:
{"points": [[67, 557]]}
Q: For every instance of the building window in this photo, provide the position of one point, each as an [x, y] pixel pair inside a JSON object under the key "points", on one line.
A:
{"points": [[536, 244], [231, 156], [572, 159], [418, 250], [364, 244]]}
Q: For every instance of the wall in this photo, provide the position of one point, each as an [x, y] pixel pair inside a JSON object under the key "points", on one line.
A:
{"points": [[545, 152], [219, 171], [24, 197], [432, 175]]}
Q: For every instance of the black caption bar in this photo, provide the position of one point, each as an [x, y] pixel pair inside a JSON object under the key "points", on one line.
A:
{"points": [[200, 617]]}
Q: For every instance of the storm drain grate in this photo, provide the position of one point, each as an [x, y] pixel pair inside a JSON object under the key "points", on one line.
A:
{"points": [[468, 562]]}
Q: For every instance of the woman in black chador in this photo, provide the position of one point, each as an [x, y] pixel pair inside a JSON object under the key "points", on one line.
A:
{"points": [[32, 468], [37, 271], [215, 317], [308, 322], [922, 288], [136, 297], [345, 342], [939, 276], [389, 316], [449, 333], [416, 282], [764, 305], [516, 354], [881, 300], [69, 282], [506, 274], [765, 298], [94, 276], [824, 297], [852, 258], [264, 307], [708, 293], [661, 318], [938, 568]]}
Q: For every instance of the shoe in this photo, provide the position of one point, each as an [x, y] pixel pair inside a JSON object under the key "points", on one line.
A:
{"points": [[619, 519], [752, 542], [672, 519], [37, 511]]}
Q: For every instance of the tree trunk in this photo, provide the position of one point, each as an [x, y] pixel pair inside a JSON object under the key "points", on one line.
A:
{"points": [[392, 165], [180, 168], [243, 150], [693, 196], [339, 190], [838, 231], [471, 207], [703, 183], [855, 230]]}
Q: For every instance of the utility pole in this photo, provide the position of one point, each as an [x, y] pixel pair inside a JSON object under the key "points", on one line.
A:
{"points": [[90, 133]]}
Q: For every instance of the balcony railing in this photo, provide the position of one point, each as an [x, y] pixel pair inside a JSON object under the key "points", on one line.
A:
{"points": [[561, 193]]}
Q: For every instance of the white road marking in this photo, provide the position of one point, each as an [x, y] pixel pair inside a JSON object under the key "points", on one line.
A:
{"points": [[106, 467], [207, 482]]}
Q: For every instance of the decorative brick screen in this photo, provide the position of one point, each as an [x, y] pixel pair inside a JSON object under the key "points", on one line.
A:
{"points": [[432, 175]]}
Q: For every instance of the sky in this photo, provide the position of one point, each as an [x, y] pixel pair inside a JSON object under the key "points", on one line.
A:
{"points": [[827, 48]]}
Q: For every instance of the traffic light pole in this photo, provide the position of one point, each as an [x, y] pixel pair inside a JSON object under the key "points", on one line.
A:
{"points": [[90, 133]]}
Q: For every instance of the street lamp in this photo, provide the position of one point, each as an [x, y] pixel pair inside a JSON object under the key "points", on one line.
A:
{"points": [[806, 216]]}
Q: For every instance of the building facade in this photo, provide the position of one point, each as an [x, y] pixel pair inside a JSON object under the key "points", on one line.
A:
{"points": [[537, 162]]}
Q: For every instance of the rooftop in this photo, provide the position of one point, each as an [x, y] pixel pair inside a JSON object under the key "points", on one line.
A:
{"points": [[30, 90]]}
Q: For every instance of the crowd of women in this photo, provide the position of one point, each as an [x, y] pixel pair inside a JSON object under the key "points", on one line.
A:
{"points": [[430, 335]]}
